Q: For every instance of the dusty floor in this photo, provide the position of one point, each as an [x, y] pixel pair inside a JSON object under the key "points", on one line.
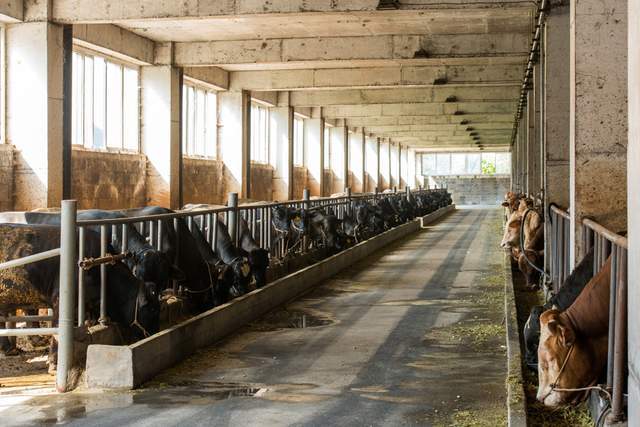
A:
{"points": [[412, 336]]}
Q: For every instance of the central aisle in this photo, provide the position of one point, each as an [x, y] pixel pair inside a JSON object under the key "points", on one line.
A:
{"points": [[412, 336]]}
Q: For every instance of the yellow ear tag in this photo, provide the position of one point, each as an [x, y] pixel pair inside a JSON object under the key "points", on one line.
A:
{"points": [[245, 270]]}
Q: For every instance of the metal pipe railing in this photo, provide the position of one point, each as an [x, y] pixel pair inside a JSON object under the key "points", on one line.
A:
{"points": [[607, 243]]}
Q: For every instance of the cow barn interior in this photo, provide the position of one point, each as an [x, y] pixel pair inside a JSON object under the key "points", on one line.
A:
{"points": [[319, 212]]}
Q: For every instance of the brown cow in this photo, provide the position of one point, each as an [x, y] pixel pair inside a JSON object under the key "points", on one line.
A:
{"points": [[573, 344], [512, 200]]}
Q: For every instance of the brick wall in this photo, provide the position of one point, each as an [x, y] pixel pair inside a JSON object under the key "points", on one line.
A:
{"points": [[103, 180], [6, 177], [300, 182], [261, 182], [202, 181], [474, 189]]}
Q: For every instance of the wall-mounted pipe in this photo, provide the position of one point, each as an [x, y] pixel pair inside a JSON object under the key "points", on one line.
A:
{"points": [[531, 61]]}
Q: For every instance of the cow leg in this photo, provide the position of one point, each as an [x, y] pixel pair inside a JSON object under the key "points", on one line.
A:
{"points": [[8, 344]]}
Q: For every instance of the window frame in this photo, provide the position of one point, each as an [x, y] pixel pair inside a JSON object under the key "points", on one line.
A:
{"points": [[450, 172], [209, 131], [265, 128], [108, 59]]}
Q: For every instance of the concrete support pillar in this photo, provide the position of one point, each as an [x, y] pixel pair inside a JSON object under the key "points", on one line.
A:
{"points": [[356, 160], [556, 113], [404, 166], [339, 158], [385, 164], [161, 91], [535, 148], [598, 117], [532, 140], [281, 146], [313, 139], [35, 113], [412, 179], [371, 164], [394, 158], [633, 180], [234, 140]]}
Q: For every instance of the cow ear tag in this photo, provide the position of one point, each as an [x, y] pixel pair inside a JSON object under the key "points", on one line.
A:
{"points": [[245, 270]]}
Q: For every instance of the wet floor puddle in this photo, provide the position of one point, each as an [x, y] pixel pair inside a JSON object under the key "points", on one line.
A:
{"points": [[292, 319], [57, 408]]}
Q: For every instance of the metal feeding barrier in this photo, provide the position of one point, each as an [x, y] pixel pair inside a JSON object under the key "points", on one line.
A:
{"points": [[64, 330], [560, 262], [607, 243], [75, 239]]}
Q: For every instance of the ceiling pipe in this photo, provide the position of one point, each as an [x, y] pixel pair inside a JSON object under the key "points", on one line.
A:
{"points": [[534, 54]]}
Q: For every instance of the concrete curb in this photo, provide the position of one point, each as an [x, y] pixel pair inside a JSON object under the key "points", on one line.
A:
{"points": [[516, 399], [127, 367]]}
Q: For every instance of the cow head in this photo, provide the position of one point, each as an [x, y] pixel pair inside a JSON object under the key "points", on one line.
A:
{"points": [[259, 260], [146, 319], [280, 219], [511, 236], [559, 346], [241, 276], [154, 266]]}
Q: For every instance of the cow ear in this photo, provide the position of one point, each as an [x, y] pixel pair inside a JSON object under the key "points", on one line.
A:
{"points": [[553, 326], [177, 274], [567, 337]]}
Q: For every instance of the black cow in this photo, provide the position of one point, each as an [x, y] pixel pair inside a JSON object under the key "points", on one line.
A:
{"points": [[569, 291], [325, 230], [147, 263], [188, 249], [289, 226], [131, 303], [258, 257]]}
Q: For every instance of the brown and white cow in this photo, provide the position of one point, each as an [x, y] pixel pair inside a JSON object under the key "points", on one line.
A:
{"points": [[512, 201], [573, 344], [533, 249]]}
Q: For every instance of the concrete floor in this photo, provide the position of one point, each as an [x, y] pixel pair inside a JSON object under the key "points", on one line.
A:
{"points": [[413, 336]]}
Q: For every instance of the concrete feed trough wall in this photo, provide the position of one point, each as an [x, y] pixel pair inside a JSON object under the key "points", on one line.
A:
{"points": [[126, 367]]}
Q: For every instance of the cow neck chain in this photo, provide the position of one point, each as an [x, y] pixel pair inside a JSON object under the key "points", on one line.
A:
{"points": [[554, 385], [135, 322], [544, 274]]}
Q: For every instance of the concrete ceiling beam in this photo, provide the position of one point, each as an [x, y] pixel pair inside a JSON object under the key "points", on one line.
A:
{"points": [[482, 127], [506, 133], [403, 95], [369, 48], [387, 77], [467, 119], [428, 109], [101, 11], [11, 11], [115, 41]]}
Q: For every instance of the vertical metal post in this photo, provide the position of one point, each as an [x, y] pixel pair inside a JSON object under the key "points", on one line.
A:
{"points": [[67, 292], [407, 190], [103, 276], [233, 217], [306, 196], [81, 302], [125, 238], [159, 242], [620, 351], [612, 315]]}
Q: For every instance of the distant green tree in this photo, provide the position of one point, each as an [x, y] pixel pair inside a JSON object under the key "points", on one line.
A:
{"points": [[488, 168]]}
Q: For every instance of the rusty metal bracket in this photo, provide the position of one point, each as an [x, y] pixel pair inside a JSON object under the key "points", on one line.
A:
{"points": [[89, 263]]}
